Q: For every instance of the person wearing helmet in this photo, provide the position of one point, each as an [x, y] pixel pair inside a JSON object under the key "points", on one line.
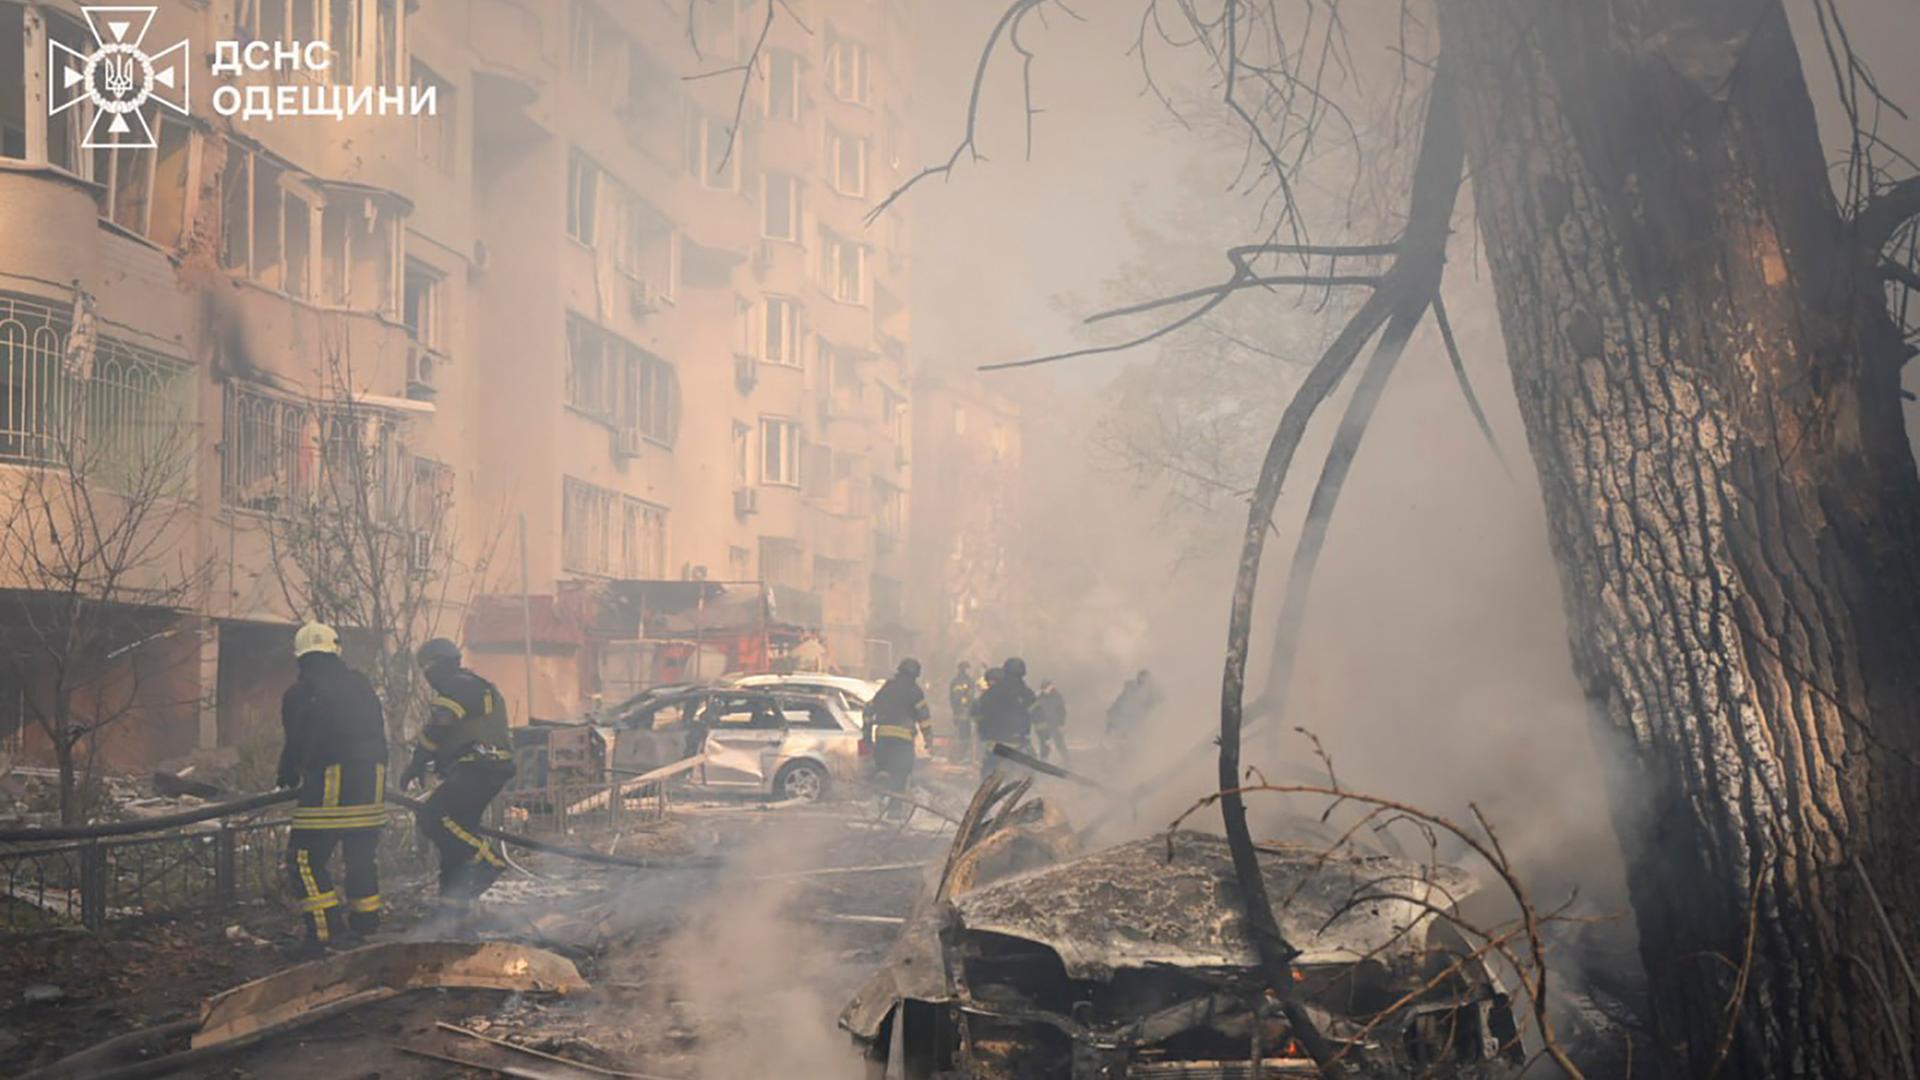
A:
{"points": [[962, 691], [466, 742], [897, 711], [1050, 722], [1005, 713], [336, 755]]}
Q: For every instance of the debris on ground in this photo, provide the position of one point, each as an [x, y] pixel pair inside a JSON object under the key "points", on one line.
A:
{"points": [[1135, 958]]}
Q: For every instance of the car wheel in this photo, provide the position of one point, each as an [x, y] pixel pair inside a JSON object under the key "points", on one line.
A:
{"points": [[801, 780]]}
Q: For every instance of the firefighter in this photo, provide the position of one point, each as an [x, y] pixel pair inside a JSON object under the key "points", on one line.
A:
{"points": [[336, 755], [1050, 722], [897, 711], [961, 694], [1005, 712], [466, 742]]}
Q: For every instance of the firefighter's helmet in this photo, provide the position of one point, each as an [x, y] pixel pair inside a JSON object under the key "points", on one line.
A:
{"points": [[315, 637]]}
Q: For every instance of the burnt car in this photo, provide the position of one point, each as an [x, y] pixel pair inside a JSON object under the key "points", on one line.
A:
{"points": [[1026, 960], [786, 744]]}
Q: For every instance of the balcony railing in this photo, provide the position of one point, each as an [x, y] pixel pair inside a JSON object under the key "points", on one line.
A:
{"points": [[62, 392]]}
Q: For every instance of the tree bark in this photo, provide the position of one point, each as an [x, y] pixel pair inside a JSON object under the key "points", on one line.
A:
{"points": [[1709, 382]]}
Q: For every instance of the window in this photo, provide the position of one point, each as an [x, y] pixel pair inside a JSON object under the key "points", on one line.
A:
{"points": [[847, 70], [847, 163], [66, 131], [332, 21], [13, 107], [619, 384], [266, 222], [433, 133], [894, 135], [145, 191], [779, 452], [594, 45], [586, 527], [742, 454], [360, 252], [655, 112], [711, 156], [780, 562], [783, 85], [780, 323], [843, 268], [649, 248], [780, 199], [608, 534], [583, 195], [420, 306]]}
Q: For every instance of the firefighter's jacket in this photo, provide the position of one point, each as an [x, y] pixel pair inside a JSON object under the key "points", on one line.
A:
{"points": [[961, 693], [898, 710], [1004, 711], [336, 746], [468, 723]]}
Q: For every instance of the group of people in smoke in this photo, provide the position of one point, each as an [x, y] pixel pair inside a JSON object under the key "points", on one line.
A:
{"points": [[997, 709]]}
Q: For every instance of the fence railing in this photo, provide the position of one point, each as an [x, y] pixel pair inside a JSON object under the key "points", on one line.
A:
{"points": [[180, 871]]}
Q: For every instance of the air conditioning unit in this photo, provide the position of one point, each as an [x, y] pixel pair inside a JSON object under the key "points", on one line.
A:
{"points": [[695, 572], [746, 372], [746, 501], [423, 373], [626, 442]]}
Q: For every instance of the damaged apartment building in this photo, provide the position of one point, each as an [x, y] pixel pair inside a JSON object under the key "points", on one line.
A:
{"points": [[595, 344]]}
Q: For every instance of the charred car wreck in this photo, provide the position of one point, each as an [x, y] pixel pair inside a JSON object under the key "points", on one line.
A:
{"points": [[1026, 959]]}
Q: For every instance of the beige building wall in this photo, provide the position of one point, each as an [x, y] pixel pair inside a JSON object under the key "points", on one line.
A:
{"points": [[552, 289]]}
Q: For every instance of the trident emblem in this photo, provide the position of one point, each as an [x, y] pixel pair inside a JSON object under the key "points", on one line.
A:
{"points": [[118, 78]]}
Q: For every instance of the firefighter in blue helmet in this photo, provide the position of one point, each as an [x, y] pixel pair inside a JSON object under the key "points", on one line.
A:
{"points": [[467, 744], [336, 755], [896, 714]]}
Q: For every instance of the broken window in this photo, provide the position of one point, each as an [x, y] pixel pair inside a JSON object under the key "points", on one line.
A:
{"points": [[67, 130], [621, 385], [583, 195], [297, 248], [586, 528], [779, 451], [608, 534], [433, 132]]}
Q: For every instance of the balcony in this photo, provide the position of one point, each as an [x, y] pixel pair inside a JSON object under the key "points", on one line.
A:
{"points": [[62, 392]]}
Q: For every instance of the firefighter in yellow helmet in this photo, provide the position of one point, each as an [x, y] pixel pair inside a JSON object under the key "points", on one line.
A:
{"points": [[336, 755], [467, 743]]}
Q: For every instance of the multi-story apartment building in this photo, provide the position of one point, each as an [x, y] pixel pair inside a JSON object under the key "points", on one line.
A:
{"points": [[577, 295]]}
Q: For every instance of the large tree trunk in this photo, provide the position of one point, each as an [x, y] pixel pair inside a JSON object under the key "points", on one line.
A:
{"points": [[1709, 382]]}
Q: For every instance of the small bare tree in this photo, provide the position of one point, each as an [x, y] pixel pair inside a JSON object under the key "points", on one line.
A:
{"points": [[96, 537], [367, 542]]}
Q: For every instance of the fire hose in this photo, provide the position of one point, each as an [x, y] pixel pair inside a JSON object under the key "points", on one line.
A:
{"points": [[249, 803]]}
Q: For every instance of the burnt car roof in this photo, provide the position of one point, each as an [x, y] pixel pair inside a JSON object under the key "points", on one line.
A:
{"points": [[1171, 900]]}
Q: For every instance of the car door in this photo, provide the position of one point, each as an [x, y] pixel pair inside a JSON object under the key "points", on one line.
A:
{"points": [[819, 729], [653, 735], [744, 732]]}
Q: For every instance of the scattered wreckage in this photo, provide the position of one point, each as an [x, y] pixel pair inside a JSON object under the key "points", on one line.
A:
{"points": [[1029, 959]]}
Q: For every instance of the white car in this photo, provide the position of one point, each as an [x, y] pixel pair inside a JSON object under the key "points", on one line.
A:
{"points": [[853, 693], [788, 742]]}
